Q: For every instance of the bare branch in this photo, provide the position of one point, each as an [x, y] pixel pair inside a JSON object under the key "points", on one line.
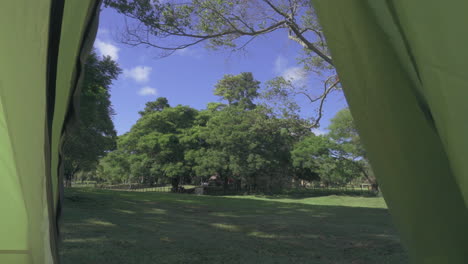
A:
{"points": [[134, 38], [246, 43], [299, 37], [287, 16], [322, 101]]}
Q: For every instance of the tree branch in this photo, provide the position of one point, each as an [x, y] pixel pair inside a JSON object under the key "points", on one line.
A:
{"points": [[299, 37], [323, 97], [134, 38]]}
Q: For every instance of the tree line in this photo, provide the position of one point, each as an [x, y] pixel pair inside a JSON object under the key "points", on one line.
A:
{"points": [[244, 140]]}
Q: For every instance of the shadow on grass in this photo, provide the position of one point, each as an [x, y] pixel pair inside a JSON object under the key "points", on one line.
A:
{"points": [[124, 227]]}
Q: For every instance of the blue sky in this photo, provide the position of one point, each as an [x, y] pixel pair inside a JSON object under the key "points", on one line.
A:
{"points": [[188, 76]]}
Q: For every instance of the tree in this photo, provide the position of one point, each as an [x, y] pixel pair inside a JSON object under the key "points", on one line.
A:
{"points": [[115, 166], [344, 132], [239, 89], [246, 145], [153, 146], [283, 93], [320, 155], [244, 141], [221, 23], [240, 141], [94, 133], [160, 104], [172, 25]]}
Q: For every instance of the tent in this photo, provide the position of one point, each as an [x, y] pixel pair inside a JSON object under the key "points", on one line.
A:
{"points": [[402, 66], [42, 50]]}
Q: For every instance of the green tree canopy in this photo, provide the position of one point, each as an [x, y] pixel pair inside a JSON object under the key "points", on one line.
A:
{"points": [[94, 133], [153, 146], [239, 89], [320, 155], [158, 105], [240, 141], [344, 132], [247, 145], [172, 25], [222, 23]]}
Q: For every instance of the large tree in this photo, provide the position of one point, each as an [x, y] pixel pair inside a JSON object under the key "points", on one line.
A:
{"points": [[246, 145], [322, 156], [153, 147], [241, 89], [115, 166], [239, 140], [244, 141], [344, 132], [94, 133], [158, 105], [172, 25]]}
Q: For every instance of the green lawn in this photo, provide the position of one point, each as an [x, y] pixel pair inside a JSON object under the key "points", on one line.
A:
{"points": [[103, 226]]}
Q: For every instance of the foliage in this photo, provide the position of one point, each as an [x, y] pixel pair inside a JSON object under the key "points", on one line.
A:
{"points": [[172, 25], [154, 144], [323, 156], [94, 133], [114, 167], [283, 93], [158, 105], [238, 90], [222, 23], [244, 144], [344, 132]]}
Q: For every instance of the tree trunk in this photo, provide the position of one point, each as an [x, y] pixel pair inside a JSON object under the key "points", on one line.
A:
{"points": [[225, 185], [68, 181], [175, 184], [372, 180], [69, 177]]}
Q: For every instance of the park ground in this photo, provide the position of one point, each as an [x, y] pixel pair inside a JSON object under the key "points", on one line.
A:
{"points": [[105, 226]]}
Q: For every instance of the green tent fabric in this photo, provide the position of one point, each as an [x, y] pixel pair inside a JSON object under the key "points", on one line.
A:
{"points": [[44, 43], [403, 68]]}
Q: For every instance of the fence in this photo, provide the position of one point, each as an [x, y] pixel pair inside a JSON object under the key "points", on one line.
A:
{"points": [[136, 188], [83, 184], [323, 191], [304, 191], [219, 190]]}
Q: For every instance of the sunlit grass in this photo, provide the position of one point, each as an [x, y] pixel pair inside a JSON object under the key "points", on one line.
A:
{"points": [[226, 227], [332, 200], [103, 226]]}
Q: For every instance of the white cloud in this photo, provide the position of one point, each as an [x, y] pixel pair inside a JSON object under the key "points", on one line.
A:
{"points": [[147, 91], [107, 49], [140, 73], [297, 75], [102, 32]]}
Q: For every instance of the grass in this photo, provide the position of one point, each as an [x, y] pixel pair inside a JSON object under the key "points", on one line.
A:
{"points": [[331, 200], [103, 226]]}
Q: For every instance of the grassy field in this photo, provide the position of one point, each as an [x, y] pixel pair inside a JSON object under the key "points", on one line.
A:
{"points": [[103, 226]]}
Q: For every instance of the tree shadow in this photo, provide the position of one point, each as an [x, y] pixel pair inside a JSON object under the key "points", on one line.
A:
{"points": [[125, 227]]}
